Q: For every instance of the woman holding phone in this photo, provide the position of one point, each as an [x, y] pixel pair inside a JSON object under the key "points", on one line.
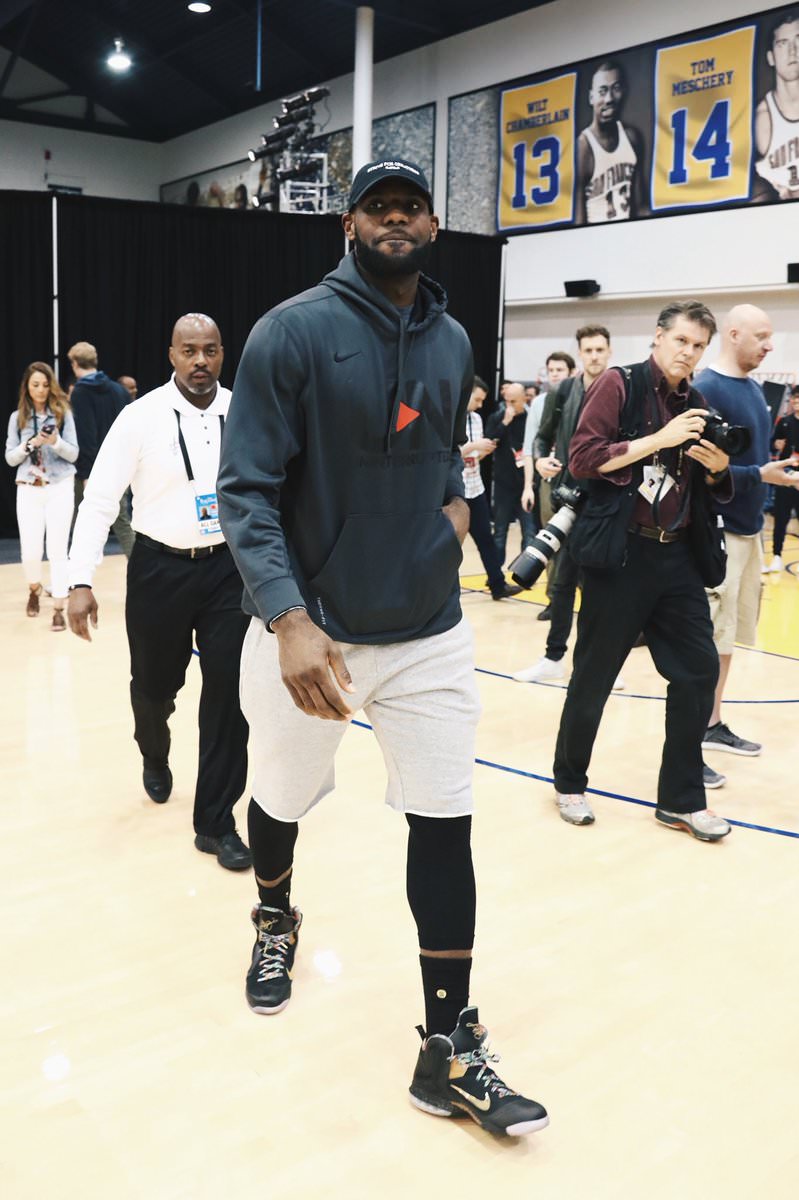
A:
{"points": [[42, 445]]}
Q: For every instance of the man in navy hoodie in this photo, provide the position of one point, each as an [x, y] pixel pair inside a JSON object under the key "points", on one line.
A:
{"points": [[96, 403], [726, 385], [341, 497]]}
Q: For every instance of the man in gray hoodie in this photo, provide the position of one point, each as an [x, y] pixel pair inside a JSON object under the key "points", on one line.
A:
{"points": [[341, 497]]}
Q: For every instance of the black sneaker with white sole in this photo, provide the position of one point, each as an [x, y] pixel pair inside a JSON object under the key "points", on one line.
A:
{"points": [[454, 1077], [269, 977], [711, 778], [721, 737]]}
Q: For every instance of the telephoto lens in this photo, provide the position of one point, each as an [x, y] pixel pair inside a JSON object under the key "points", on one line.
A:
{"points": [[525, 569]]}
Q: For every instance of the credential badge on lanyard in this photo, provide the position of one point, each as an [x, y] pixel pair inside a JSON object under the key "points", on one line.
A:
{"points": [[205, 503]]}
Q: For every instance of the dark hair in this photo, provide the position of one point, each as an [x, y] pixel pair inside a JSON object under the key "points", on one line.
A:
{"points": [[789, 18], [561, 356], [692, 310], [610, 64], [586, 331], [477, 382]]}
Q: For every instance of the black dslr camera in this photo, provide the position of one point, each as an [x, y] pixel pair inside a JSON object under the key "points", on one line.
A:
{"points": [[533, 559], [732, 439]]}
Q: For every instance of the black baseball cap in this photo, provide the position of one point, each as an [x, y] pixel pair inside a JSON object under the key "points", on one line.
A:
{"points": [[388, 168]]}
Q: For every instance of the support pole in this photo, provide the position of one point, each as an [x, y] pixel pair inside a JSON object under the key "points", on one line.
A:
{"points": [[362, 88]]}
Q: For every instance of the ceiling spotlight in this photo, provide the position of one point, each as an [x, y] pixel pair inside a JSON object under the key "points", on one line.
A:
{"points": [[119, 59], [198, 7]]}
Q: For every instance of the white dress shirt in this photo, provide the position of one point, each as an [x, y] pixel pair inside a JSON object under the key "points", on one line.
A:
{"points": [[141, 450]]}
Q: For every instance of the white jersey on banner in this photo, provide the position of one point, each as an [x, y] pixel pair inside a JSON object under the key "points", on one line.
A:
{"points": [[779, 166], [609, 192]]}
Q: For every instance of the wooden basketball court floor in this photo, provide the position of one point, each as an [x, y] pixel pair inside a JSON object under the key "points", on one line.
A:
{"points": [[640, 984]]}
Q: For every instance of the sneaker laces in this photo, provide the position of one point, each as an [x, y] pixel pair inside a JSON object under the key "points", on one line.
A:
{"points": [[486, 1075], [274, 948]]}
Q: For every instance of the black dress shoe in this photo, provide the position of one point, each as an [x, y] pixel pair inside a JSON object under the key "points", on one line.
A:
{"points": [[545, 614], [157, 783], [508, 589], [229, 849]]}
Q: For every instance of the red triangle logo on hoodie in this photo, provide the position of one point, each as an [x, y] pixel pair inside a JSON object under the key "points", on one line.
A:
{"points": [[405, 416]]}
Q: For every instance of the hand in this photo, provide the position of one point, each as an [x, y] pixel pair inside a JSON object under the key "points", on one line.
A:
{"points": [[528, 499], [548, 467], [685, 427], [712, 459], [508, 415], [774, 472], [457, 511], [82, 608], [35, 442], [779, 445], [484, 446], [311, 664], [49, 439]]}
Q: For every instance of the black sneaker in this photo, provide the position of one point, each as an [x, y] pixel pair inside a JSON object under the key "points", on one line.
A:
{"points": [[721, 737], [711, 778], [230, 851], [545, 614], [453, 1077], [269, 977]]}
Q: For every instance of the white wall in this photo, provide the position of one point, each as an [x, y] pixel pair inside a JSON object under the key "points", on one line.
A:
{"points": [[101, 165]]}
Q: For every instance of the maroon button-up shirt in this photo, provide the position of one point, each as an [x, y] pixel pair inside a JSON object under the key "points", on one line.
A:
{"points": [[596, 441]]}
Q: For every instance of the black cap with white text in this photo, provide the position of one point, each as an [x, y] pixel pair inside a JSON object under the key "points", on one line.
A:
{"points": [[389, 168]]}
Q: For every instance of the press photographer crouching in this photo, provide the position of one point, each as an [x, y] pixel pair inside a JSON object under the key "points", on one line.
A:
{"points": [[648, 540]]}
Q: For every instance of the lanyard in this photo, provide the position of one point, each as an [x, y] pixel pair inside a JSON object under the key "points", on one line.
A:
{"points": [[182, 444]]}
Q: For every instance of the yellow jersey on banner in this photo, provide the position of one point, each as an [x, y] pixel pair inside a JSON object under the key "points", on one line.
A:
{"points": [[703, 121], [536, 179]]}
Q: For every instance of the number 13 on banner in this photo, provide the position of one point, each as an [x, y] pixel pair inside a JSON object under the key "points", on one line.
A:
{"points": [[703, 121], [536, 176]]}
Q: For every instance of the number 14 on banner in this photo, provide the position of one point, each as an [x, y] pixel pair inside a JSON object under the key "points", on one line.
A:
{"points": [[703, 121]]}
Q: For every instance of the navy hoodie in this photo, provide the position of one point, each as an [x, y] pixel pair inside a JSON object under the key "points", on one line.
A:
{"points": [[96, 403], [341, 446]]}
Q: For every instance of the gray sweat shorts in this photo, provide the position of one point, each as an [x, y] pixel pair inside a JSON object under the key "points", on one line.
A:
{"points": [[420, 698]]}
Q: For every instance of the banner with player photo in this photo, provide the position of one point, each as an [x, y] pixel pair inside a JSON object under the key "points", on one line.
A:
{"points": [[696, 121]]}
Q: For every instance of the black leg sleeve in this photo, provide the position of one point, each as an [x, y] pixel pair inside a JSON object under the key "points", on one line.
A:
{"points": [[440, 881]]}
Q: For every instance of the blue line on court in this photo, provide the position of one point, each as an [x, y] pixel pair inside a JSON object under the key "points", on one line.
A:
{"points": [[623, 695], [485, 762]]}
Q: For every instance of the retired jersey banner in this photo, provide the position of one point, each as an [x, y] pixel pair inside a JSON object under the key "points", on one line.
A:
{"points": [[703, 133], [696, 121], [537, 174]]}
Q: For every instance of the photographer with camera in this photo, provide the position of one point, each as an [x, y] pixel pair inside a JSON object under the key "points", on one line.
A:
{"points": [[746, 339], [648, 541], [551, 455], [43, 446]]}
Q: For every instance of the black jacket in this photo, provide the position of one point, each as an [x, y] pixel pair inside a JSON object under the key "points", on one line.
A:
{"points": [[340, 448], [96, 403], [510, 440]]}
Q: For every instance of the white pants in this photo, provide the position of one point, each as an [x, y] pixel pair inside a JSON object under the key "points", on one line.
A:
{"points": [[420, 697], [46, 513]]}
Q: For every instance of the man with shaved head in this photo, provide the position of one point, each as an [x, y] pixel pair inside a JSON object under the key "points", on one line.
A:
{"points": [[182, 581], [746, 339]]}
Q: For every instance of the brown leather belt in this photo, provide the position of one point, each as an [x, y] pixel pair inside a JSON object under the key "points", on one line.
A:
{"points": [[658, 535], [192, 552]]}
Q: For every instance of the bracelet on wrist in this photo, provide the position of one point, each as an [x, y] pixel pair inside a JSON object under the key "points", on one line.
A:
{"points": [[74, 587]]}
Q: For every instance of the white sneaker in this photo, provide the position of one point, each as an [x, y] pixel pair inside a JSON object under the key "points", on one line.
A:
{"points": [[776, 564], [619, 684], [574, 808], [544, 671]]}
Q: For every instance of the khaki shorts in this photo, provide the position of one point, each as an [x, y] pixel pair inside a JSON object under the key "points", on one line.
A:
{"points": [[420, 698], [735, 604]]}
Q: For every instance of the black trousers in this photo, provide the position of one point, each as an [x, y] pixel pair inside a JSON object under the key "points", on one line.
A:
{"points": [[657, 591], [170, 599], [480, 529], [562, 591], [786, 503], [507, 508]]}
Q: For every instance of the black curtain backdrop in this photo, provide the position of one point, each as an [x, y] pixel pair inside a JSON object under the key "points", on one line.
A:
{"points": [[26, 311], [127, 270]]}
